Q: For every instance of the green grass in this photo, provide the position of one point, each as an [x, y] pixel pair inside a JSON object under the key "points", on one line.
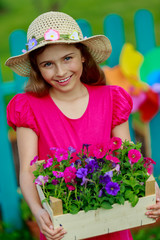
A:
{"points": [[16, 15]]}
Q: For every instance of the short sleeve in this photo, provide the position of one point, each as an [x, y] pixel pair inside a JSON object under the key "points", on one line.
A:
{"points": [[20, 114], [122, 105]]}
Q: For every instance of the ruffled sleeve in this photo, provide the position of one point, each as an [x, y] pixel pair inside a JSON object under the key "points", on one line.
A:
{"points": [[20, 114], [122, 105]]}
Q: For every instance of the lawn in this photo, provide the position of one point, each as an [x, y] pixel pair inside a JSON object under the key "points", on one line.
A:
{"points": [[15, 15]]}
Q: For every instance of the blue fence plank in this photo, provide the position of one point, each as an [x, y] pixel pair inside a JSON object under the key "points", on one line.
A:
{"points": [[18, 40], [114, 30], [85, 27], [8, 186], [144, 31]]}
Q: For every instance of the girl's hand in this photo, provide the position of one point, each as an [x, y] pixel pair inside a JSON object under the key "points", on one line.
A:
{"points": [[46, 226], [154, 210]]}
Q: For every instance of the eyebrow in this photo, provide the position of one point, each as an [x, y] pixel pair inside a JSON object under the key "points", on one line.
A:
{"points": [[67, 55]]}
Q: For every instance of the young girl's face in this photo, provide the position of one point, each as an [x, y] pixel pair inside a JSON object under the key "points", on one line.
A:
{"points": [[61, 66]]}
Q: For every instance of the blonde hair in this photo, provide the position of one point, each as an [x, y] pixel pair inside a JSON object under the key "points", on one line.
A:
{"points": [[92, 74]]}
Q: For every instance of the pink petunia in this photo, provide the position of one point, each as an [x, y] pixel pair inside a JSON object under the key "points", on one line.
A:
{"points": [[71, 188], [41, 180], [58, 174], [112, 159], [134, 155], [69, 174], [99, 151], [48, 163], [34, 160], [149, 161], [115, 143], [61, 154]]}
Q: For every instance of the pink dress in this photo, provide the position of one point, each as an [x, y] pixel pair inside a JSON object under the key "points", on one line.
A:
{"points": [[108, 107]]}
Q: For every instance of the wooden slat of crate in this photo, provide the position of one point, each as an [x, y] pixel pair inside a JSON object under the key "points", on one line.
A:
{"points": [[101, 221]]}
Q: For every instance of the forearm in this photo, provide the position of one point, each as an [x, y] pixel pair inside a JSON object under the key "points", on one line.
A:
{"points": [[29, 192]]}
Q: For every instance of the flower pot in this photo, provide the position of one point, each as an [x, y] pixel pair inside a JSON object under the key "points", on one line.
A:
{"points": [[102, 221]]}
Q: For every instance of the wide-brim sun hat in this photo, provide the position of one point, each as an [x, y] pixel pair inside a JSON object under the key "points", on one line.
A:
{"points": [[57, 28]]}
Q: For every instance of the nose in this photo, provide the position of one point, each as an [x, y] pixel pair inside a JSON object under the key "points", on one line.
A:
{"points": [[60, 70]]}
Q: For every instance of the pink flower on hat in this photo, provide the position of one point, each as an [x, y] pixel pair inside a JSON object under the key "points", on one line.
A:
{"points": [[51, 35]]}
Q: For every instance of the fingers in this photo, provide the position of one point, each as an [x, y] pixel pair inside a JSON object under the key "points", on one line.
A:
{"points": [[154, 211], [49, 231]]}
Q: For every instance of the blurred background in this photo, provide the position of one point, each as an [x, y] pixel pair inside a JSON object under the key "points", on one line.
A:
{"points": [[18, 14]]}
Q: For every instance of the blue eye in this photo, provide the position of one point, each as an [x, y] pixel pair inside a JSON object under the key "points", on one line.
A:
{"points": [[47, 64], [67, 58]]}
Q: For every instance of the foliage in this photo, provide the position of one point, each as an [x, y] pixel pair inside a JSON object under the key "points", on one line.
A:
{"points": [[97, 176], [25, 211], [147, 234], [23, 233]]}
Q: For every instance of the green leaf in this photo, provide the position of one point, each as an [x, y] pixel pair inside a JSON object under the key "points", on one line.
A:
{"points": [[74, 209], [106, 205], [134, 201], [50, 187]]}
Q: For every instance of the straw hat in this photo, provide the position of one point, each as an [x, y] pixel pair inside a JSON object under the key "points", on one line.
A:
{"points": [[56, 28]]}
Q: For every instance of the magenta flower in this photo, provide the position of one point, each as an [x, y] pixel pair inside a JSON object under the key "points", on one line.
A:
{"points": [[69, 174], [48, 163], [99, 151], [41, 180], [61, 154], [70, 187], [34, 160], [149, 161], [115, 143], [58, 174], [112, 188], [134, 155], [112, 159]]}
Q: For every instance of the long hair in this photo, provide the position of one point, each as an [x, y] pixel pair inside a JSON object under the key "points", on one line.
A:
{"points": [[92, 74]]}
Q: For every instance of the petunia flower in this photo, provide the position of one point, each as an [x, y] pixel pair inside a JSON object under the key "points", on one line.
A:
{"points": [[34, 160], [70, 187], [82, 172], [104, 179], [48, 164], [112, 188], [41, 180], [110, 174], [112, 159], [31, 43], [115, 143], [99, 151], [134, 155], [71, 150], [90, 167], [55, 182], [69, 174], [58, 174], [51, 35], [61, 154]]}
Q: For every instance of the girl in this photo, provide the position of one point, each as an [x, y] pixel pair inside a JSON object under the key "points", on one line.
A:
{"points": [[65, 103]]}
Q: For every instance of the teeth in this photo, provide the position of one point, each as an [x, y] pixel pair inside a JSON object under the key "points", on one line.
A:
{"points": [[64, 80]]}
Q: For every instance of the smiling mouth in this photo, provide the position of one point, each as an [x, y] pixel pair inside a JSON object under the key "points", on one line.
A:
{"points": [[64, 80]]}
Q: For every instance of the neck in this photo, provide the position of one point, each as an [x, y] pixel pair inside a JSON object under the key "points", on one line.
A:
{"points": [[77, 92]]}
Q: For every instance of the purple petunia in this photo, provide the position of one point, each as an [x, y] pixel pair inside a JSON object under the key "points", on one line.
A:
{"points": [[90, 168], [82, 172], [112, 188], [31, 43], [48, 163], [104, 179], [71, 150]]}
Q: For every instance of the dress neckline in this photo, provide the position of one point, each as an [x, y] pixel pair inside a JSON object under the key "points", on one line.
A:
{"points": [[85, 111]]}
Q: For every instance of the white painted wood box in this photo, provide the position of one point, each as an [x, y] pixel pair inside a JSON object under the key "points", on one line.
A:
{"points": [[98, 222]]}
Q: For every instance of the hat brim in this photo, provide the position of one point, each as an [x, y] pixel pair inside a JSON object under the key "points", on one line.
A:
{"points": [[99, 47]]}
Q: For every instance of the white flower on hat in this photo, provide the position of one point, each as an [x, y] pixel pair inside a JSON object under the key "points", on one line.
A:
{"points": [[74, 35], [51, 35]]}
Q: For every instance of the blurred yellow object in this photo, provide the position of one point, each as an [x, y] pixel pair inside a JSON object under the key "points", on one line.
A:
{"points": [[130, 60]]}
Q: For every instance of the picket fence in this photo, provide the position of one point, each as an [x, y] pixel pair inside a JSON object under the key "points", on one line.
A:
{"points": [[114, 29]]}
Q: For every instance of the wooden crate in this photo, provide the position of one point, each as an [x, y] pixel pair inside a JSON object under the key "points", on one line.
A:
{"points": [[97, 222]]}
